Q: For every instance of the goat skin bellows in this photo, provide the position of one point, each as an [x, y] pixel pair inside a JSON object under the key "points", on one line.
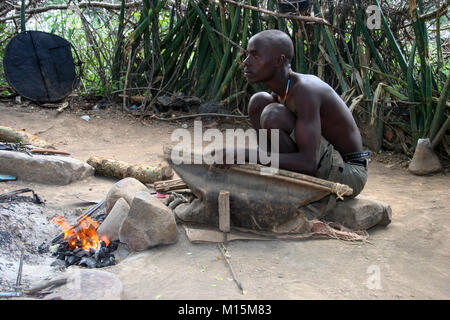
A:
{"points": [[265, 202]]}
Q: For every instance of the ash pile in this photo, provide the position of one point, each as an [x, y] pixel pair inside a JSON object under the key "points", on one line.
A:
{"points": [[25, 234]]}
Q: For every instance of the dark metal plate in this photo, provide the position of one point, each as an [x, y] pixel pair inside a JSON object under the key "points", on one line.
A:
{"points": [[40, 66]]}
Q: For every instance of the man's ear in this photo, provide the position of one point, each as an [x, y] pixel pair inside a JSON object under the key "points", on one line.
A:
{"points": [[281, 60]]}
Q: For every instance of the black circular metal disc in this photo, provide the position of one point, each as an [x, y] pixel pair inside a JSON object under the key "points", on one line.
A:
{"points": [[40, 66]]}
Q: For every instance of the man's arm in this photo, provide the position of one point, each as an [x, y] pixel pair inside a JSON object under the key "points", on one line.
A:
{"points": [[307, 136]]}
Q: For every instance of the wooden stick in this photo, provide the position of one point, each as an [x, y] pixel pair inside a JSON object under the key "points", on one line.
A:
{"points": [[200, 115], [121, 169], [224, 250], [315, 183], [169, 185], [42, 151], [89, 4], [224, 213], [19, 273], [8, 134], [280, 15], [436, 13]]}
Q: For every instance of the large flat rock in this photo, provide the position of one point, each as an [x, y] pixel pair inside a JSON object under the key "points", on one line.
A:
{"points": [[360, 213], [44, 169]]}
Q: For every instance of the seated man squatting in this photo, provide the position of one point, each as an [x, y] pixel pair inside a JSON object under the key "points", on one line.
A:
{"points": [[318, 135]]}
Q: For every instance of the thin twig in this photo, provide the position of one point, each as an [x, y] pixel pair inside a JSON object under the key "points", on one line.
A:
{"points": [[279, 15], [436, 13], [19, 273], [224, 251], [89, 4], [201, 115], [130, 62], [229, 40]]}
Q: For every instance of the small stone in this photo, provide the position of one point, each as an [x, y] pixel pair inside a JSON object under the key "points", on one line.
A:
{"points": [[424, 161]]}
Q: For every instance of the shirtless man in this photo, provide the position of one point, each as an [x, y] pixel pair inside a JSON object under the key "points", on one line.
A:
{"points": [[317, 133]]}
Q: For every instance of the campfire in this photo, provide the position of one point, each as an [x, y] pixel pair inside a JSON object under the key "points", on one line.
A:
{"points": [[82, 245], [83, 236]]}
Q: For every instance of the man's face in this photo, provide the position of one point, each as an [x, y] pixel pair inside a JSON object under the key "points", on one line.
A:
{"points": [[260, 62]]}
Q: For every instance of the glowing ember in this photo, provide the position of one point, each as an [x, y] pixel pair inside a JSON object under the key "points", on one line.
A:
{"points": [[83, 236]]}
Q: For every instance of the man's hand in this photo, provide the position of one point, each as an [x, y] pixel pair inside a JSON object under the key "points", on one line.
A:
{"points": [[222, 158]]}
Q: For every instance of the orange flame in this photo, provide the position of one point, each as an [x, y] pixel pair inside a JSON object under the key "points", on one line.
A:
{"points": [[83, 236]]}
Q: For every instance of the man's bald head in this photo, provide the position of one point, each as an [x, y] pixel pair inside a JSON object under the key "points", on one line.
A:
{"points": [[277, 40]]}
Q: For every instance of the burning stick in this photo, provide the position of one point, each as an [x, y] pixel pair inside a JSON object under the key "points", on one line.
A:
{"points": [[83, 236], [88, 214]]}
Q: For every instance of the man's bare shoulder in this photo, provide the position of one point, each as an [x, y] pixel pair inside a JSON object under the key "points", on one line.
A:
{"points": [[312, 83], [314, 89], [310, 90]]}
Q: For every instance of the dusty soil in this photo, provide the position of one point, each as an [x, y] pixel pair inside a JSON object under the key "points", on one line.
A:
{"points": [[410, 257]]}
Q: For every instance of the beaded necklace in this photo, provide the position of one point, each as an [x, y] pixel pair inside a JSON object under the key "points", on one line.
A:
{"points": [[287, 88]]}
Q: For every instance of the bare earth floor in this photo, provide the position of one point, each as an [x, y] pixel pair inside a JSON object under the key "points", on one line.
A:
{"points": [[409, 259]]}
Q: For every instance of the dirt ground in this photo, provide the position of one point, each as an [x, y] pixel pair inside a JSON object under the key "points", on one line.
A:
{"points": [[409, 259]]}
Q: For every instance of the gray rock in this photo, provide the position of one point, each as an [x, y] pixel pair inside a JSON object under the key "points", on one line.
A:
{"points": [[148, 224], [88, 284], [122, 252], [424, 161], [111, 225], [125, 188], [360, 213], [44, 169], [180, 208]]}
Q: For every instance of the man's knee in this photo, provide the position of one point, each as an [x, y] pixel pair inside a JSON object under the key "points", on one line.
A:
{"points": [[258, 102], [272, 117]]}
